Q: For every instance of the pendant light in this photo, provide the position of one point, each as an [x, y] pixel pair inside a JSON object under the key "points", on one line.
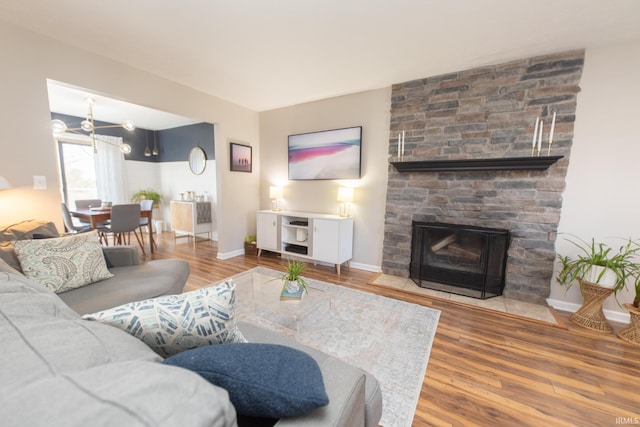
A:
{"points": [[147, 152], [155, 146]]}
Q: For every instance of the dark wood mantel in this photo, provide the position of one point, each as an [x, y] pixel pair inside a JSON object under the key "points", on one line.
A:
{"points": [[505, 163]]}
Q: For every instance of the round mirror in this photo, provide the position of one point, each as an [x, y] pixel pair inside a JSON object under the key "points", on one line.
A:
{"points": [[197, 160]]}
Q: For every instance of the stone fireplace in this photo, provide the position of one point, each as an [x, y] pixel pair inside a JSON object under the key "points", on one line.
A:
{"points": [[485, 113]]}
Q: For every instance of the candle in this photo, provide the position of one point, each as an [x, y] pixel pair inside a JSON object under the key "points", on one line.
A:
{"points": [[553, 126], [398, 145], [402, 144], [535, 135], [540, 136]]}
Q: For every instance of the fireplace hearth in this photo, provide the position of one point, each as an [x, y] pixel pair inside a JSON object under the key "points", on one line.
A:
{"points": [[459, 259]]}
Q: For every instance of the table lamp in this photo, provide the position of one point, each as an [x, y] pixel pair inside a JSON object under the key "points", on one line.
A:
{"points": [[345, 195], [275, 194]]}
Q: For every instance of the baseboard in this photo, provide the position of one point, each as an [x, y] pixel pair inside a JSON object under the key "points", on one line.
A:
{"points": [[227, 255], [613, 315], [366, 267]]}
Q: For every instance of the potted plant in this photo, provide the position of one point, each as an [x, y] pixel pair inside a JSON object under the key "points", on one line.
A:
{"points": [[250, 247], [598, 264], [636, 286], [601, 271], [147, 194], [292, 281]]}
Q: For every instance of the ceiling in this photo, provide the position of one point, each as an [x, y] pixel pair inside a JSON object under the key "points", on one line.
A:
{"points": [[70, 100], [268, 54]]}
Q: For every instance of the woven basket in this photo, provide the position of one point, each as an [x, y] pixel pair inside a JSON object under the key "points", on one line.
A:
{"points": [[590, 315], [631, 333]]}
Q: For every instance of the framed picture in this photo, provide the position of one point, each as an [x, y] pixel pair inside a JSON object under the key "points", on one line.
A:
{"points": [[240, 157], [329, 154]]}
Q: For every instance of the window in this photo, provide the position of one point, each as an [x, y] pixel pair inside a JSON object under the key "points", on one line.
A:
{"points": [[87, 175], [77, 171]]}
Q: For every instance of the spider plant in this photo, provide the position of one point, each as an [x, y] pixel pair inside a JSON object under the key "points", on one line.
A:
{"points": [[592, 255], [292, 273]]}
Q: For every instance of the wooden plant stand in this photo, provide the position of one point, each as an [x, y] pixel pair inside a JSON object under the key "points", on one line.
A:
{"points": [[631, 333], [590, 315]]}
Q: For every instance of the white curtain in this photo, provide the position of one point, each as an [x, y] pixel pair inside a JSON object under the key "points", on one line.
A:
{"points": [[110, 171]]}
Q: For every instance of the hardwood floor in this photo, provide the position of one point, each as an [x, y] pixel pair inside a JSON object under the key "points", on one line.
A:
{"points": [[485, 369]]}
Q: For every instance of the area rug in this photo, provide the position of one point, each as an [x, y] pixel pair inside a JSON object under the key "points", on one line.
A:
{"points": [[391, 339]]}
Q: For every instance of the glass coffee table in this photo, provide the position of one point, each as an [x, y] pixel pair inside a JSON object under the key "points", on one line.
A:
{"points": [[258, 301]]}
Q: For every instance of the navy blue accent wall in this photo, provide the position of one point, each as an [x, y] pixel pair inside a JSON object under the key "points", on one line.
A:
{"points": [[177, 142], [173, 144]]}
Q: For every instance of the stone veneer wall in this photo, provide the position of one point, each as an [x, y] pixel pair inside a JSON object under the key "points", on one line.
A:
{"points": [[487, 112]]}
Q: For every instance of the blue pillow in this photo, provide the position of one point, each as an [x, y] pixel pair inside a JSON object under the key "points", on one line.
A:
{"points": [[263, 380]]}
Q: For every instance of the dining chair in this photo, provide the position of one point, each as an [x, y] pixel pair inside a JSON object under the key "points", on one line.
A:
{"points": [[69, 225], [125, 219], [145, 205], [88, 203]]}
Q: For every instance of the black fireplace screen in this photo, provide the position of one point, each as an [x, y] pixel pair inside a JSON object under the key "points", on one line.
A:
{"points": [[459, 259]]}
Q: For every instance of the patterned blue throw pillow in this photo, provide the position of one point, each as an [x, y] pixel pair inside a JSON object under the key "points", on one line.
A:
{"points": [[176, 323], [263, 380]]}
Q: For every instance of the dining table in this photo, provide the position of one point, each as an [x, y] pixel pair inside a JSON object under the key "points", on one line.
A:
{"points": [[95, 216]]}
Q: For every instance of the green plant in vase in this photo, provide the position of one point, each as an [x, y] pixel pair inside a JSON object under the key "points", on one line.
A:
{"points": [[599, 264], [292, 281], [147, 194], [601, 271]]}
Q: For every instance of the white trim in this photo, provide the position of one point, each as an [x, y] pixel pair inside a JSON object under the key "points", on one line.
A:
{"points": [[367, 267], [227, 255], [614, 316]]}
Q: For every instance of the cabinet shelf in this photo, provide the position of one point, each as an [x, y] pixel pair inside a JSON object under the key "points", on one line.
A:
{"points": [[304, 227], [505, 163], [295, 242]]}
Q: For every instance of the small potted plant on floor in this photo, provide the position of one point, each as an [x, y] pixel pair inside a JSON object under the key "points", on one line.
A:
{"points": [[250, 247]]}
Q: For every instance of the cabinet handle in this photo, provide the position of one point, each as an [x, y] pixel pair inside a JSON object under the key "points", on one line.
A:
{"points": [[274, 223]]}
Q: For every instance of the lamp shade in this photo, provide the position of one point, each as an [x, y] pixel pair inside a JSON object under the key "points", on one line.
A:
{"points": [[345, 194], [275, 192], [4, 184]]}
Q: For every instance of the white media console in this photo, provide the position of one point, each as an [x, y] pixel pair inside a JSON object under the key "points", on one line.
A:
{"points": [[314, 236]]}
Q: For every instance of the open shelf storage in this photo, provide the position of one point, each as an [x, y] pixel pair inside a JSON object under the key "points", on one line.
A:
{"points": [[313, 236]]}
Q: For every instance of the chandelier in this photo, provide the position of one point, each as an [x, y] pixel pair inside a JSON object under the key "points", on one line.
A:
{"points": [[88, 125]]}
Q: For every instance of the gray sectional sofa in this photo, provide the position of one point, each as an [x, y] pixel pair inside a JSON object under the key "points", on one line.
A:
{"points": [[61, 370], [131, 281]]}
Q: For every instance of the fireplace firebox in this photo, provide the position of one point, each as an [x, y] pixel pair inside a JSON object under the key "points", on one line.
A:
{"points": [[459, 259]]}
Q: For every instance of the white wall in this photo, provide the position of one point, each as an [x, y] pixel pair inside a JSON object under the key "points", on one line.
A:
{"points": [[601, 198], [141, 175], [27, 148], [367, 109], [170, 179]]}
